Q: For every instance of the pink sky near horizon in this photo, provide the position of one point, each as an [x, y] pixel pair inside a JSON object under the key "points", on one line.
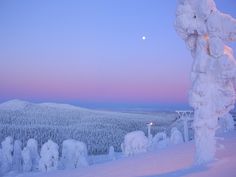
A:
{"points": [[93, 87]]}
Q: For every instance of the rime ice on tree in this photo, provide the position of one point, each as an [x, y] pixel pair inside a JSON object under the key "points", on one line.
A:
{"points": [[74, 154], [6, 155], [205, 30], [49, 156], [17, 156]]}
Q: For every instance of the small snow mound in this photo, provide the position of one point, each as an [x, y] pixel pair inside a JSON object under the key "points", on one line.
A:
{"points": [[134, 143]]}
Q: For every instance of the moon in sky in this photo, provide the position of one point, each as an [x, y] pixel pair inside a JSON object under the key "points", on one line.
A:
{"points": [[144, 38]]}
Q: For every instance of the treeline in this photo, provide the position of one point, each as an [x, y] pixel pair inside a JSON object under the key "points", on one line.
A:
{"points": [[98, 130]]}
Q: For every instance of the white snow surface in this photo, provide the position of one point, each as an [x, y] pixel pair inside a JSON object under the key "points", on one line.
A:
{"points": [[176, 160]]}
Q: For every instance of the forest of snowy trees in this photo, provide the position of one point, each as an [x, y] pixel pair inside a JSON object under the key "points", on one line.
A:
{"points": [[97, 129], [14, 157], [71, 154]]}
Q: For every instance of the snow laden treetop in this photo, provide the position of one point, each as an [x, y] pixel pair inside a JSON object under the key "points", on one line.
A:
{"points": [[205, 31]]}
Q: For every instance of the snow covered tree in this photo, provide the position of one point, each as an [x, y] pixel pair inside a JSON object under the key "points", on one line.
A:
{"points": [[32, 145], [160, 141], [111, 153], [1, 158], [226, 123], [17, 156], [205, 30], [74, 154], [27, 161], [30, 156], [176, 136], [7, 151], [134, 142], [49, 156]]}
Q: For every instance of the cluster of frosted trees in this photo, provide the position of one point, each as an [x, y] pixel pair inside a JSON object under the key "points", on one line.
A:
{"points": [[14, 158], [98, 131], [136, 142]]}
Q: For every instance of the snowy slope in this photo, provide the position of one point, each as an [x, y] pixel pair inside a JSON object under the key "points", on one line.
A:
{"points": [[174, 161]]}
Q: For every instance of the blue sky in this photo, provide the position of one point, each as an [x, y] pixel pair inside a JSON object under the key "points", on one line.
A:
{"points": [[91, 52]]}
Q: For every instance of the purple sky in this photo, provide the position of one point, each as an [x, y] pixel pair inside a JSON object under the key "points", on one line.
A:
{"points": [[92, 51]]}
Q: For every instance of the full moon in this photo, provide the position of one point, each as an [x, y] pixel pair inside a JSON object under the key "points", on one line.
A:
{"points": [[144, 38]]}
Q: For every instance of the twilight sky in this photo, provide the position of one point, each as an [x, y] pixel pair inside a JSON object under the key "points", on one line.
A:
{"points": [[91, 51]]}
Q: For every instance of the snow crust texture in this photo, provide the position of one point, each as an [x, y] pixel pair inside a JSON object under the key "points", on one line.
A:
{"points": [[205, 31]]}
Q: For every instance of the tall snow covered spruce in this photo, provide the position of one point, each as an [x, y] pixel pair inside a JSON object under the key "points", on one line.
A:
{"points": [[205, 30]]}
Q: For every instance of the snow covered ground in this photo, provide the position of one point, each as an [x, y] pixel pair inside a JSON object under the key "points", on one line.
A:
{"points": [[174, 161]]}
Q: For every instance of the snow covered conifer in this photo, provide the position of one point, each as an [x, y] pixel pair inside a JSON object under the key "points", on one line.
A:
{"points": [[205, 31], [134, 142], [1, 161], [32, 145], [27, 161], [226, 123], [17, 156], [111, 153], [7, 151], [176, 136], [49, 156], [74, 154], [160, 141]]}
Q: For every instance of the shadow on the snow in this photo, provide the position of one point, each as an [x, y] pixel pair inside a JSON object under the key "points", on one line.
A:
{"points": [[181, 172]]}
